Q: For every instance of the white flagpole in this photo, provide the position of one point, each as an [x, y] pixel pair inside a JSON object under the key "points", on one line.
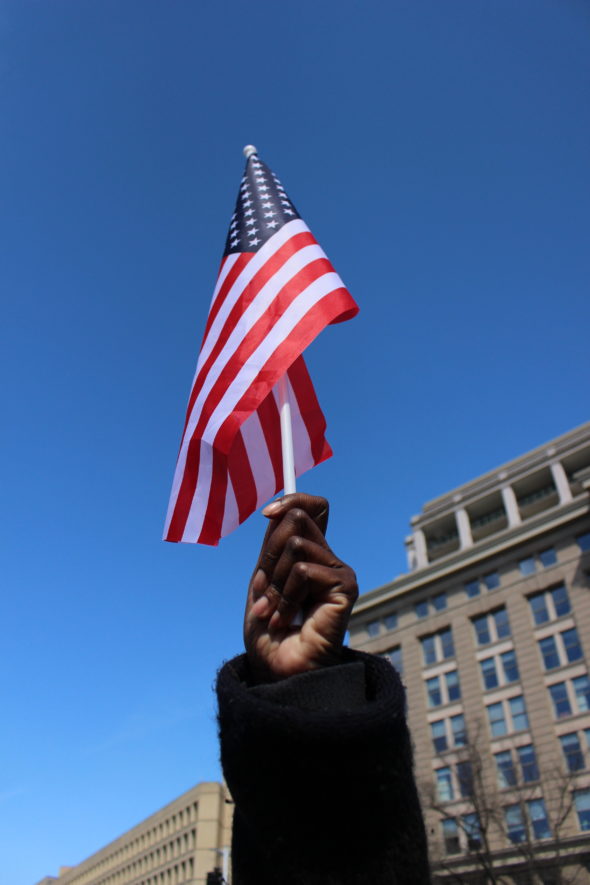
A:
{"points": [[284, 409], [286, 437]]}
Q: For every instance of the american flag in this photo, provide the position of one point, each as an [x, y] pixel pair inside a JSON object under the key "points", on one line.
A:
{"points": [[275, 292]]}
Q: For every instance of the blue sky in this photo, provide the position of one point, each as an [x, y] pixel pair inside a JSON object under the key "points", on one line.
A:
{"points": [[438, 151]]}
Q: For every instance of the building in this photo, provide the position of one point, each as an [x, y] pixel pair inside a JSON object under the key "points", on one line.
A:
{"points": [[490, 628], [177, 845]]}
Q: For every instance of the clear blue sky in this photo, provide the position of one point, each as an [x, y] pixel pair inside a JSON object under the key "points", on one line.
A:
{"points": [[438, 151]]}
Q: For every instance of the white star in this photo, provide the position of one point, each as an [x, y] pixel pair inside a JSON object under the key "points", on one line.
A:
{"points": [[253, 242], [267, 205], [248, 213], [269, 214], [285, 202], [251, 221], [263, 187], [272, 224], [233, 243], [246, 202], [288, 212]]}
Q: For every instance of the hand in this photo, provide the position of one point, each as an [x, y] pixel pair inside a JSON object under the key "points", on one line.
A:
{"points": [[297, 572]]}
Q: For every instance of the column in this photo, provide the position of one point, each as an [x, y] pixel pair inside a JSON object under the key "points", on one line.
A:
{"points": [[420, 548], [561, 482], [464, 527], [511, 506]]}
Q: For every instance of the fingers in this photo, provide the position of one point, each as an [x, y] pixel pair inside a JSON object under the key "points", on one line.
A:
{"points": [[310, 583], [296, 523], [316, 507]]}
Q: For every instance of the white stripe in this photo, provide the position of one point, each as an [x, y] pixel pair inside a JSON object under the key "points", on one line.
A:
{"points": [[279, 333], [231, 518], [301, 441], [259, 458], [255, 310], [196, 516], [261, 257]]}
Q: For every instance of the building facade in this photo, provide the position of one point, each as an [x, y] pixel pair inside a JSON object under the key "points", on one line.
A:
{"points": [[178, 845], [490, 629]]}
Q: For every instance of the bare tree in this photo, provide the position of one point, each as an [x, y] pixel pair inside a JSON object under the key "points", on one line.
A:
{"points": [[478, 787]]}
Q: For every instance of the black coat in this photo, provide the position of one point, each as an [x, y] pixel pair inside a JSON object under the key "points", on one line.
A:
{"points": [[320, 770]]}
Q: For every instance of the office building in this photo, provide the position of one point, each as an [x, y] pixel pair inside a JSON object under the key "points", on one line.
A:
{"points": [[490, 628], [177, 845]]}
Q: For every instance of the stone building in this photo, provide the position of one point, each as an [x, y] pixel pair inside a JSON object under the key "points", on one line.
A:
{"points": [[177, 845], [490, 629]]}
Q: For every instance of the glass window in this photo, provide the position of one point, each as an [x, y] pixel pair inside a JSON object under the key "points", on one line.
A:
{"points": [[549, 652], [440, 602], [439, 735], [584, 541], [515, 823], [502, 623], [572, 751], [451, 836], [433, 692], [482, 630], [561, 600], [582, 800], [394, 656], [444, 784], [548, 557], [453, 687], [465, 778], [390, 621], [497, 720], [539, 608], [492, 580], [448, 648], [538, 818], [527, 566], [488, 673], [459, 730], [421, 609], [571, 644], [528, 763], [472, 588], [373, 628], [518, 712], [510, 666], [505, 769], [429, 650], [582, 690], [472, 830], [561, 703]]}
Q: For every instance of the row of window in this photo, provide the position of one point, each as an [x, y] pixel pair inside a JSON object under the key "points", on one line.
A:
{"points": [[138, 845], [491, 580], [560, 649], [523, 821], [497, 670], [510, 714]]}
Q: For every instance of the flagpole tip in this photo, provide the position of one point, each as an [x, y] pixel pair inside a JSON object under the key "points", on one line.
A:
{"points": [[249, 150]]}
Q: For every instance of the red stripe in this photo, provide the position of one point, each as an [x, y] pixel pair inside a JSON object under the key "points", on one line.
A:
{"points": [[309, 407], [243, 259], [242, 478], [186, 491], [211, 529], [270, 422], [260, 278], [285, 354]]}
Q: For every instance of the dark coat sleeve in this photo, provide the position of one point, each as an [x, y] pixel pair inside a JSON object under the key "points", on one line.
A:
{"points": [[320, 770]]}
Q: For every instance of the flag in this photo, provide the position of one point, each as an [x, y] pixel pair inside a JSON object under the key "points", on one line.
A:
{"points": [[275, 292]]}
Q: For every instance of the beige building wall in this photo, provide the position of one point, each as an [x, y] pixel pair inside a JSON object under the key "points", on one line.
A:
{"points": [[177, 845], [482, 557]]}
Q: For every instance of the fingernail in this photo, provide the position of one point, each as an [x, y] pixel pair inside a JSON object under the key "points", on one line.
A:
{"points": [[272, 509], [274, 621], [261, 607], [258, 582]]}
